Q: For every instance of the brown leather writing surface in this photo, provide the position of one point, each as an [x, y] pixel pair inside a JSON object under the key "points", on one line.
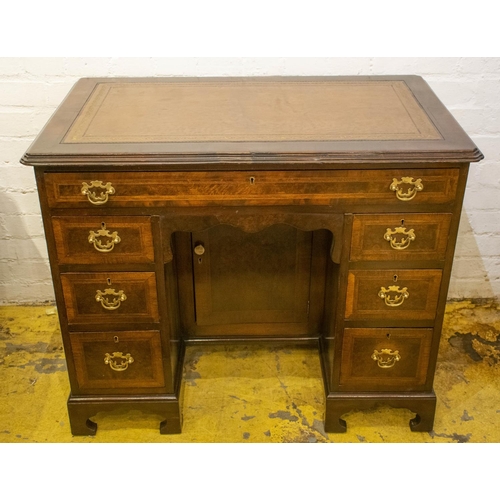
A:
{"points": [[251, 111]]}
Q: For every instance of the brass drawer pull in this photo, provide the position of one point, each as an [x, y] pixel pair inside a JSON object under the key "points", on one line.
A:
{"points": [[109, 359], [391, 236], [410, 192], [95, 238], [199, 249], [385, 358], [100, 194], [114, 303], [393, 296]]}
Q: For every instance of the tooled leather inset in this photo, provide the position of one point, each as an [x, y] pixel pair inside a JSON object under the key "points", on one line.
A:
{"points": [[243, 111]]}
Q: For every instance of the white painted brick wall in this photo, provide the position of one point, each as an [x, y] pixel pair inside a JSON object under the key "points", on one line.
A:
{"points": [[32, 88]]}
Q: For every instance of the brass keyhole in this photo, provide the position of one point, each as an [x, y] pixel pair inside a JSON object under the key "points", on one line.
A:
{"points": [[252, 180], [395, 278], [199, 250], [116, 339], [109, 281]]}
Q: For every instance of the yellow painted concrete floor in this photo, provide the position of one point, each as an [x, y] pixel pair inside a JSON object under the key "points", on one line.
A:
{"points": [[249, 393]]}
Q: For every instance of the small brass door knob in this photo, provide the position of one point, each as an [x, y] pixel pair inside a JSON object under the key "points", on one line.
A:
{"points": [[199, 249]]}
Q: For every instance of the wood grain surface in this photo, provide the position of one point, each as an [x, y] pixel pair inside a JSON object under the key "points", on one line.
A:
{"points": [[360, 372], [215, 121], [299, 188]]}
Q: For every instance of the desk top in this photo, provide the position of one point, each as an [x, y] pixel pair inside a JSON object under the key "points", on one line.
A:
{"points": [[216, 121]]}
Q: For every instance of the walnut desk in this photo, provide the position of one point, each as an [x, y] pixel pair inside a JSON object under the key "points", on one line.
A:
{"points": [[318, 210]]}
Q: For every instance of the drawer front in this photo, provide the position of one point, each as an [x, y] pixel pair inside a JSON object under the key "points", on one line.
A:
{"points": [[400, 294], [385, 358], [110, 297], [403, 187], [103, 240], [399, 237], [117, 360]]}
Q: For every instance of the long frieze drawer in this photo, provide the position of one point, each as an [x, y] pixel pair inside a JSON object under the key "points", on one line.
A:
{"points": [[403, 294], [103, 240], [110, 297], [381, 359], [118, 360], [403, 187], [399, 237]]}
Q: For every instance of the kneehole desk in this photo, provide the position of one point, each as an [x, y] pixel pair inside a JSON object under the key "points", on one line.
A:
{"points": [[321, 210]]}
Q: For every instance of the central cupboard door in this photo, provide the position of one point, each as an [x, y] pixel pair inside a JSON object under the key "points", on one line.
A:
{"points": [[251, 283]]}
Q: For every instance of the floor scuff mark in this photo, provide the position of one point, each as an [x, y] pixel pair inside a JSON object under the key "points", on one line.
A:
{"points": [[284, 415]]}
